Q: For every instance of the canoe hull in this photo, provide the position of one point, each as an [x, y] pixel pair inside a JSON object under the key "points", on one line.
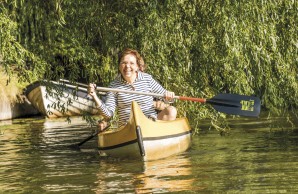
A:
{"points": [[145, 139], [59, 102]]}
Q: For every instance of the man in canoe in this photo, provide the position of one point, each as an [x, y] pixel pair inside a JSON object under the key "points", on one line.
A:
{"points": [[132, 77]]}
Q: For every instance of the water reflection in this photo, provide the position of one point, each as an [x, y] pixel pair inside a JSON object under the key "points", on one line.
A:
{"points": [[38, 156], [168, 175], [171, 174], [251, 159], [13, 141]]}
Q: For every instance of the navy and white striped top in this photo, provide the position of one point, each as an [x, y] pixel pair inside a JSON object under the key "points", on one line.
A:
{"points": [[122, 101]]}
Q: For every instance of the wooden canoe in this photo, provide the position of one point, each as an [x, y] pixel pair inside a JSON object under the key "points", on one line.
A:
{"points": [[143, 138], [55, 99]]}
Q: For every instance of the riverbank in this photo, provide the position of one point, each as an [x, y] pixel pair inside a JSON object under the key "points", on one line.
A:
{"points": [[13, 104]]}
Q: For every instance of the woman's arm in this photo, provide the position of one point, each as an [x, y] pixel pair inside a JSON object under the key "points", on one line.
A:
{"points": [[106, 109]]}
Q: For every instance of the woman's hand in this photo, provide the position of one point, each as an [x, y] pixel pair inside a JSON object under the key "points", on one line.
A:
{"points": [[159, 104], [92, 90], [102, 125], [169, 95]]}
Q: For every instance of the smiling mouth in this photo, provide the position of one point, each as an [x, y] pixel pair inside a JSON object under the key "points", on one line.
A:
{"points": [[127, 71]]}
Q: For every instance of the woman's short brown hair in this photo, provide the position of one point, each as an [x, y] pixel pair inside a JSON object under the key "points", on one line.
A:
{"points": [[140, 60]]}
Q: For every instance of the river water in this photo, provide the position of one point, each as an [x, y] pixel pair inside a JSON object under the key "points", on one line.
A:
{"points": [[256, 156]]}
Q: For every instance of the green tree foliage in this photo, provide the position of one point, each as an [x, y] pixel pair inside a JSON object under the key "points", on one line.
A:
{"points": [[194, 47]]}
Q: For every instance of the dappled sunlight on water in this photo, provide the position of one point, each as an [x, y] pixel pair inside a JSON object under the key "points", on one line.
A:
{"points": [[257, 156], [252, 158], [171, 174], [167, 175]]}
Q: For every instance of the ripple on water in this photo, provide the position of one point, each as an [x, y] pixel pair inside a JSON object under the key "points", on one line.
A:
{"points": [[38, 156]]}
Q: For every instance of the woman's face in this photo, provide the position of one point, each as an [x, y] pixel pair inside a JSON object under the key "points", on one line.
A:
{"points": [[128, 67]]}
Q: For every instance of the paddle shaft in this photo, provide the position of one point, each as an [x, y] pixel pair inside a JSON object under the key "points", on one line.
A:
{"points": [[93, 135], [83, 88], [104, 89], [227, 103]]}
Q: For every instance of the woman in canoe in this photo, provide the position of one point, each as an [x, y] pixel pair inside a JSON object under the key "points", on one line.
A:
{"points": [[132, 77]]}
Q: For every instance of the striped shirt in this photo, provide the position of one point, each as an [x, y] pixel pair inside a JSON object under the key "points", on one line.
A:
{"points": [[122, 101]]}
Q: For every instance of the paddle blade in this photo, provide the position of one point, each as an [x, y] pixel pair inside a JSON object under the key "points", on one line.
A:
{"points": [[236, 104]]}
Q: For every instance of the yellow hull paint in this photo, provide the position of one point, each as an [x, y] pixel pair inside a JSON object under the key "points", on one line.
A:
{"points": [[158, 139]]}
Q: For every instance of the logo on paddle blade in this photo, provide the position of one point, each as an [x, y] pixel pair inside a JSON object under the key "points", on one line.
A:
{"points": [[247, 105]]}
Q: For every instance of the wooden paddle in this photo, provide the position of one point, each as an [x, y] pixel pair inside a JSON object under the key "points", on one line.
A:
{"points": [[92, 135], [233, 104]]}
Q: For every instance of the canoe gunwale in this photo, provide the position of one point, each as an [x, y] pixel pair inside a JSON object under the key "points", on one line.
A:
{"points": [[52, 84], [146, 139], [118, 145], [167, 136]]}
